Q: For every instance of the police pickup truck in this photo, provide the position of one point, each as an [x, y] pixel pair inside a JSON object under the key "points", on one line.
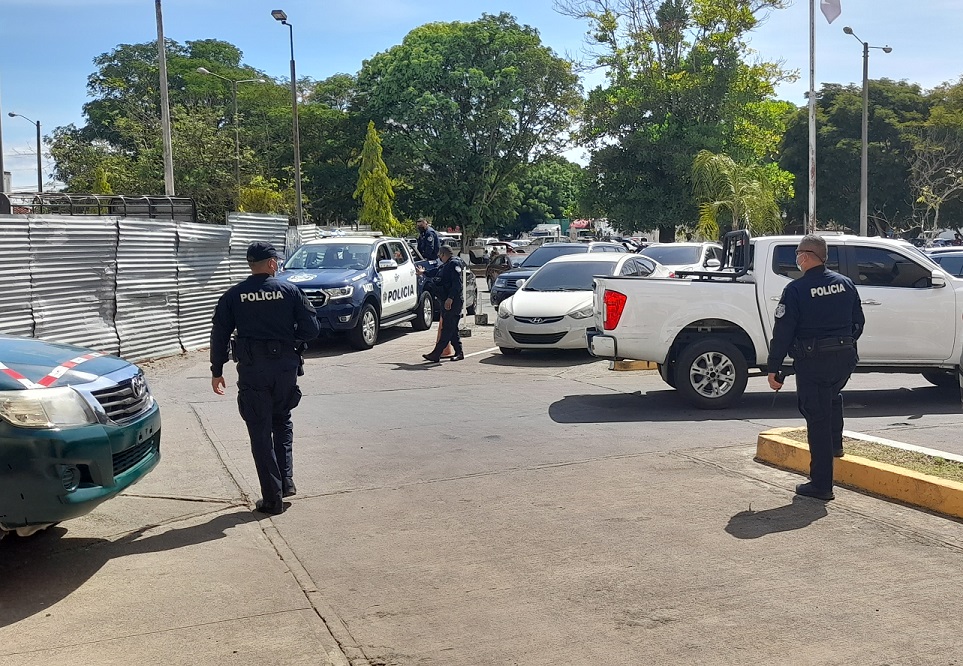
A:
{"points": [[706, 333], [360, 284]]}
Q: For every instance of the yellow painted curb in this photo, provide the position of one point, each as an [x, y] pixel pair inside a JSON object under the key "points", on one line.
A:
{"points": [[889, 481], [633, 365]]}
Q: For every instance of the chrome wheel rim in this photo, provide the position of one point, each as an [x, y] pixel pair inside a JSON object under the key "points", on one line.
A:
{"points": [[712, 375], [368, 326], [426, 313]]}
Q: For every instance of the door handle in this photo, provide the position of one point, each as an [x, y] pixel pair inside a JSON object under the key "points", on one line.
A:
{"points": [[870, 302], [774, 298]]}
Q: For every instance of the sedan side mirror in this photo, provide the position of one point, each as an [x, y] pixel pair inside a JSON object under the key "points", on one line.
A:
{"points": [[520, 283], [387, 265], [937, 281]]}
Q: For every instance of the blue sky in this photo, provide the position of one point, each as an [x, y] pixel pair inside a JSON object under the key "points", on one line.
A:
{"points": [[47, 46]]}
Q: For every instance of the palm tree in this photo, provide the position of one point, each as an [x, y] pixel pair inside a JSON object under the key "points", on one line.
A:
{"points": [[720, 184]]}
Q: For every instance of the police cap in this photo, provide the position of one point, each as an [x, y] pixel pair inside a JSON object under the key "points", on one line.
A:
{"points": [[261, 251]]}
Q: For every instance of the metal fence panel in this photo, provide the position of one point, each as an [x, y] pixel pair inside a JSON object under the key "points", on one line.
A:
{"points": [[247, 228], [147, 289], [203, 274], [16, 313], [298, 236], [72, 271]]}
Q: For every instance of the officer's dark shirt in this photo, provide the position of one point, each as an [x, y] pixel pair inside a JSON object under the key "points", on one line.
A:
{"points": [[820, 304], [447, 279], [429, 244], [260, 308]]}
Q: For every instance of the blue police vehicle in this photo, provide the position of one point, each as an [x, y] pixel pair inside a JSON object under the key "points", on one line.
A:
{"points": [[360, 284]]}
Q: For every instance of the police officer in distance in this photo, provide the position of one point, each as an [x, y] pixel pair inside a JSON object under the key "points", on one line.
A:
{"points": [[428, 241], [818, 320], [446, 283], [272, 319]]}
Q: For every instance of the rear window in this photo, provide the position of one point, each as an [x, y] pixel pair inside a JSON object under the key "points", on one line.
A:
{"points": [[669, 255], [546, 253], [951, 264], [569, 276]]}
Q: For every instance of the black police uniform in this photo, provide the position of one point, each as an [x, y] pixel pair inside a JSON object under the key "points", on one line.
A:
{"points": [[818, 320], [271, 318], [446, 282], [428, 244]]}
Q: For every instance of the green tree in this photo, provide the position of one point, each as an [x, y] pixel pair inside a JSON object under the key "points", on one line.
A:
{"points": [[374, 187], [465, 106], [679, 80], [723, 186], [548, 190]]}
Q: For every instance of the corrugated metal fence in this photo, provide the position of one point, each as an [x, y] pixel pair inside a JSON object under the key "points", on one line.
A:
{"points": [[140, 288]]}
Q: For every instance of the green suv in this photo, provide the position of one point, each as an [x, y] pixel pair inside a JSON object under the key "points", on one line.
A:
{"points": [[76, 428]]}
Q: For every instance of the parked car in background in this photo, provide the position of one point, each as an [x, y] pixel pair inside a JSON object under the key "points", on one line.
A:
{"points": [[501, 263], [951, 262], [685, 256], [553, 309], [77, 427], [507, 282]]}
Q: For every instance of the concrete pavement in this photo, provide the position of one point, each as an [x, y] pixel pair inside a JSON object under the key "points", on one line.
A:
{"points": [[533, 510]]}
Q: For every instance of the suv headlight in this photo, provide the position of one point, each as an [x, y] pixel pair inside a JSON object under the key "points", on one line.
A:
{"points": [[45, 408], [339, 292], [584, 313]]}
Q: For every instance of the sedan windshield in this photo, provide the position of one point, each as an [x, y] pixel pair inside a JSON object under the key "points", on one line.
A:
{"points": [[546, 253], [330, 256], [568, 276], [674, 255]]}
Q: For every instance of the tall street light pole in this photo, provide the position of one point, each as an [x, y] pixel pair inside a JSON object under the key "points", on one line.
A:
{"points": [[39, 167], [237, 131], [279, 15], [864, 153]]}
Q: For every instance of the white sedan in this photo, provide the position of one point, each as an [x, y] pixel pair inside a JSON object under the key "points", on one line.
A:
{"points": [[553, 308], [685, 256]]}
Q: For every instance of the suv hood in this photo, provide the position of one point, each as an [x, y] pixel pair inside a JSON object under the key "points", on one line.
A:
{"points": [[35, 359], [323, 278]]}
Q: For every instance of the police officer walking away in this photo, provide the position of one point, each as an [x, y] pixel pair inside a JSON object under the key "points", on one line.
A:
{"points": [[818, 320], [447, 285], [428, 241], [272, 319]]}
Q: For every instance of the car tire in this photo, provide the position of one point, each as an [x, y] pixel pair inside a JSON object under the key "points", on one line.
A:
{"points": [[424, 314], [711, 374], [510, 351], [942, 378], [365, 333], [667, 374]]}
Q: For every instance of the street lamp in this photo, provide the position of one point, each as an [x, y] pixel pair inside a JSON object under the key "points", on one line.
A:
{"points": [[279, 15], [237, 131], [39, 168], [864, 156]]}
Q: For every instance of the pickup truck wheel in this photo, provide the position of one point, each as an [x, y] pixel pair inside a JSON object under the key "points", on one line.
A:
{"points": [[424, 314], [943, 379], [667, 376], [711, 374], [365, 334]]}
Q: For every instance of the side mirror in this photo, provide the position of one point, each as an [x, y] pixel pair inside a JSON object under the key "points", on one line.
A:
{"points": [[521, 283], [937, 281], [387, 265], [713, 263]]}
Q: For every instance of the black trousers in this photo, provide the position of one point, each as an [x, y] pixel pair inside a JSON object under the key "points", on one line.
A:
{"points": [[819, 380], [449, 330], [267, 392]]}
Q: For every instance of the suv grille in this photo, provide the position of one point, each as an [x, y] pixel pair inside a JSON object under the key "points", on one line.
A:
{"points": [[125, 400], [128, 458], [316, 297], [537, 339]]}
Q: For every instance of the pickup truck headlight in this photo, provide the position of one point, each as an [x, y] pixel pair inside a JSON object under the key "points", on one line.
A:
{"points": [[45, 408], [336, 293], [584, 313]]}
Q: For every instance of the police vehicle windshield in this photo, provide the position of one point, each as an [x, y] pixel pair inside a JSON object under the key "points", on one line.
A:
{"points": [[330, 256], [575, 276]]}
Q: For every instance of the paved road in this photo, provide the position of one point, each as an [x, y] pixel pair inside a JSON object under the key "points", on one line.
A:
{"points": [[538, 509]]}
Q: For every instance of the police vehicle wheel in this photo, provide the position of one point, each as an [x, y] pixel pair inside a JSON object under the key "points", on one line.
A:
{"points": [[510, 351], [942, 379], [425, 314], [365, 334], [711, 374]]}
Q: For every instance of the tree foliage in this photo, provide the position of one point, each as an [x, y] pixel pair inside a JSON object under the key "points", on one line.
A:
{"points": [[374, 187], [743, 192]]}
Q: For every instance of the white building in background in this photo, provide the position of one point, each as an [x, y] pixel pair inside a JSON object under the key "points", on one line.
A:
{"points": [[5, 182]]}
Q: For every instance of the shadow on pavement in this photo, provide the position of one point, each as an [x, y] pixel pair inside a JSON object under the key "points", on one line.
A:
{"points": [[802, 512], [336, 344], [41, 570], [535, 358], [424, 365], [668, 405]]}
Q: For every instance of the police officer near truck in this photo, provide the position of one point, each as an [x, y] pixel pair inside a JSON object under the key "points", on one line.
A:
{"points": [[818, 320], [428, 241], [274, 321], [446, 284]]}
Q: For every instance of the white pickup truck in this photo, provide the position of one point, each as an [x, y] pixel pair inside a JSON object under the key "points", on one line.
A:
{"points": [[707, 333]]}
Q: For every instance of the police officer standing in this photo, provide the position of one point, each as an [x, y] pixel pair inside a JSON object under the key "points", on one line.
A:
{"points": [[447, 284], [272, 319], [428, 241], [818, 320]]}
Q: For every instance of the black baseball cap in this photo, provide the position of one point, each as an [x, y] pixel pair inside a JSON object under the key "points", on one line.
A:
{"points": [[261, 251]]}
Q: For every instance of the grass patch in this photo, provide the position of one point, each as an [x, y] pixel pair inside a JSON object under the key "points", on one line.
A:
{"points": [[918, 462]]}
